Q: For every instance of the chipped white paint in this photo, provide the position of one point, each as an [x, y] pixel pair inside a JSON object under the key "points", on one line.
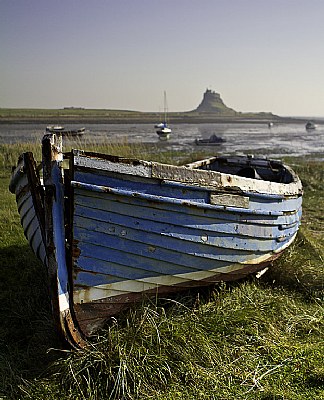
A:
{"points": [[137, 286], [64, 302], [143, 168], [189, 175], [229, 200]]}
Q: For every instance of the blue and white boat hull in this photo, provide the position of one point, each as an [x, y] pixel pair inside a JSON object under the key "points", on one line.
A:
{"points": [[119, 229]]}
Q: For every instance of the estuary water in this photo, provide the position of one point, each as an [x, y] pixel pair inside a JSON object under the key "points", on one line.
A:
{"points": [[281, 139]]}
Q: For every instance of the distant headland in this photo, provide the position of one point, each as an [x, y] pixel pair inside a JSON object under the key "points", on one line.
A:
{"points": [[211, 109]]}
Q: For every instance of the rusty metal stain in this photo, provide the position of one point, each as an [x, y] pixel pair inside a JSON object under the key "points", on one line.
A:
{"points": [[292, 212], [71, 330], [151, 249], [75, 249]]}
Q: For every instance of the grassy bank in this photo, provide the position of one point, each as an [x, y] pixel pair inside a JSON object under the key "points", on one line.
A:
{"points": [[255, 339], [97, 116]]}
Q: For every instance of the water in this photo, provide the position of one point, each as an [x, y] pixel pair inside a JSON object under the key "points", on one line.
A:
{"points": [[241, 138]]}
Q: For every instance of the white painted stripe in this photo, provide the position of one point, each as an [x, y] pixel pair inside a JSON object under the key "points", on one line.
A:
{"points": [[140, 285], [64, 301]]}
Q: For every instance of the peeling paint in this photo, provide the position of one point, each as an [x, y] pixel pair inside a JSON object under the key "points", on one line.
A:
{"points": [[115, 228]]}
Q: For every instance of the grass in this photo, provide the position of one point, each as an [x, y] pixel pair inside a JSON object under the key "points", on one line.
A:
{"points": [[39, 113], [77, 115], [254, 339]]}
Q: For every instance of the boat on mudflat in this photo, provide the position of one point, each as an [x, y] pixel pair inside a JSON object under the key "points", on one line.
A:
{"points": [[213, 140], [65, 132], [112, 230], [164, 132], [310, 126], [163, 129]]}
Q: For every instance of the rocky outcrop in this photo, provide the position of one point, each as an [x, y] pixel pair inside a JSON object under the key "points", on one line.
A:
{"points": [[213, 104]]}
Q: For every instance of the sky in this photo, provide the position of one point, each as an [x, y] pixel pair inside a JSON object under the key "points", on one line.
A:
{"points": [[260, 55]]}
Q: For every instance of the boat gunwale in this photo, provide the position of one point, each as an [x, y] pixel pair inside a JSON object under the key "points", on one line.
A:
{"points": [[185, 174]]}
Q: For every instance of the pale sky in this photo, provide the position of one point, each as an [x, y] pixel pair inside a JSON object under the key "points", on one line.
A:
{"points": [[260, 55]]}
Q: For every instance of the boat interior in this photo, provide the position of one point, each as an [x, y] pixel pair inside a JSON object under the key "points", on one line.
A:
{"points": [[248, 167]]}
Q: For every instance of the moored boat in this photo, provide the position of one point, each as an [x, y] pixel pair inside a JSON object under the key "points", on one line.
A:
{"points": [[116, 229], [159, 125], [65, 132], [163, 130], [310, 125], [213, 140]]}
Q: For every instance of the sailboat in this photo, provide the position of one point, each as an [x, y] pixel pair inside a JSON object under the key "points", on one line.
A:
{"points": [[164, 131]]}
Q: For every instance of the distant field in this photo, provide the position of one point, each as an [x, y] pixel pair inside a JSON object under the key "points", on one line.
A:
{"points": [[64, 115]]}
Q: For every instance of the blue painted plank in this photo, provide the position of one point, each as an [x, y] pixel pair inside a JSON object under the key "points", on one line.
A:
{"points": [[193, 235], [122, 265], [167, 249], [117, 215], [161, 211], [144, 185], [59, 230], [31, 226]]}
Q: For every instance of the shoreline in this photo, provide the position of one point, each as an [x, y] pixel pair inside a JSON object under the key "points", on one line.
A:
{"points": [[59, 119]]}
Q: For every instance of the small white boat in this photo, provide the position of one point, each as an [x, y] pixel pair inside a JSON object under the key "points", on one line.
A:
{"points": [[58, 129], [164, 131], [55, 128], [160, 125]]}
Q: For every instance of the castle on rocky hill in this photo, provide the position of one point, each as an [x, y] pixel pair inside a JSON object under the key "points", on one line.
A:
{"points": [[212, 103]]}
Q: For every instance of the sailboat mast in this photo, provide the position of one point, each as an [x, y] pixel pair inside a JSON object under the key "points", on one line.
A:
{"points": [[165, 107]]}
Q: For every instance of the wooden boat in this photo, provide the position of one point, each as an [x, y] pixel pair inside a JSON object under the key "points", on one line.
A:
{"points": [[25, 183], [213, 140], [117, 229], [65, 132]]}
